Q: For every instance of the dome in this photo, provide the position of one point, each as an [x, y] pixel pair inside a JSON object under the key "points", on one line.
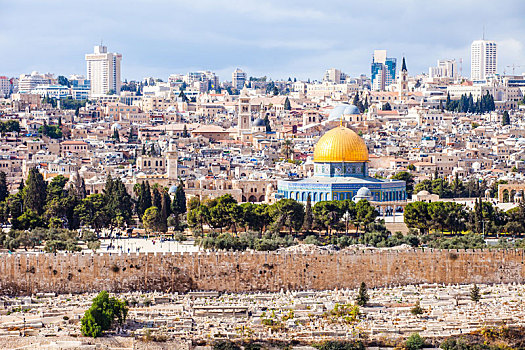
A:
{"points": [[116, 126], [259, 122], [340, 145], [172, 189], [364, 192], [423, 193], [341, 110]]}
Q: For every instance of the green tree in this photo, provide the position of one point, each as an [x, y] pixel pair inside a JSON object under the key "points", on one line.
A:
{"points": [[143, 193], [118, 203], [103, 314], [365, 214], [287, 213], [505, 120], [408, 178], [287, 105], [414, 342], [327, 215], [152, 219], [52, 131], [287, 148], [387, 107], [362, 297], [308, 215], [91, 211], [35, 191], [416, 216], [4, 190], [475, 294]]}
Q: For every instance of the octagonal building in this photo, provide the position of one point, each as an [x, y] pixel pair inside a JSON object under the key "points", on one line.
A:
{"points": [[341, 172]]}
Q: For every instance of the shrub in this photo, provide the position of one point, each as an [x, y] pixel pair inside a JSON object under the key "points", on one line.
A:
{"points": [[414, 342], [102, 314]]}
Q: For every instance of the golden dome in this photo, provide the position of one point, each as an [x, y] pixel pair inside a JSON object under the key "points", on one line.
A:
{"points": [[340, 145]]}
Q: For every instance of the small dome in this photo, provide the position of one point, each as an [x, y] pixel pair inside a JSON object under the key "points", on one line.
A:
{"points": [[172, 189], [259, 122], [339, 111], [116, 126], [340, 145], [423, 193], [364, 192]]}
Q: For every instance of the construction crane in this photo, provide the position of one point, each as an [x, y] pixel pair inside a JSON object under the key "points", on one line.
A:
{"points": [[514, 66]]}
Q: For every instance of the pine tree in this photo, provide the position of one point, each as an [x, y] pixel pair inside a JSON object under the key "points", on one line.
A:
{"points": [[362, 295], [308, 216], [475, 294]]}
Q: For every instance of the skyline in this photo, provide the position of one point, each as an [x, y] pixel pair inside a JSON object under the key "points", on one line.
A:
{"points": [[279, 40]]}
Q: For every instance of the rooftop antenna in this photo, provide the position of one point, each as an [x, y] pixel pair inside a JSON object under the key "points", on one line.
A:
{"points": [[483, 32]]}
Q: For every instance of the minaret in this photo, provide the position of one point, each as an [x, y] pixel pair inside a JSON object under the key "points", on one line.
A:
{"points": [[172, 159], [244, 114], [403, 82]]}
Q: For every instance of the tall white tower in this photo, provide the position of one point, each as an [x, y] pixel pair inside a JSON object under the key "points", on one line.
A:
{"points": [[483, 59], [245, 112], [172, 159], [103, 71]]}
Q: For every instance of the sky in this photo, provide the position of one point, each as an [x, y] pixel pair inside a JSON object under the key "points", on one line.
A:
{"points": [[274, 38]]}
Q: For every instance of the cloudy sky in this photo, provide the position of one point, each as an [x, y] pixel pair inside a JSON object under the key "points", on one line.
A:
{"points": [[277, 38]]}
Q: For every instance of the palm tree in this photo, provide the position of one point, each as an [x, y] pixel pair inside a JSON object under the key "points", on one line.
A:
{"points": [[287, 148]]}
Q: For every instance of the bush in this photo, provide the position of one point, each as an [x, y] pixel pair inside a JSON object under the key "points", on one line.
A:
{"points": [[340, 345], [102, 315], [414, 342], [416, 310]]}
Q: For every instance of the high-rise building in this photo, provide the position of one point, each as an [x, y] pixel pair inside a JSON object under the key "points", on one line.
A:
{"points": [[383, 70], [5, 86], [103, 71], [238, 79], [483, 59], [445, 69]]}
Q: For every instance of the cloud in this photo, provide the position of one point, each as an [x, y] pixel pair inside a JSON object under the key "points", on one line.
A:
{"points": [[267, 37]]}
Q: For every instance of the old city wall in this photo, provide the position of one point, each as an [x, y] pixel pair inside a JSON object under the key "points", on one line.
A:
{"points": [[257, 271]]}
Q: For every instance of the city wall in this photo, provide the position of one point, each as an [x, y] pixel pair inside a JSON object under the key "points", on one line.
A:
{"points": [[258, 271]]}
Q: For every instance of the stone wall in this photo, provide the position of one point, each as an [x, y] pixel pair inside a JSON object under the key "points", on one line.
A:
{"points": [[257, 271]]}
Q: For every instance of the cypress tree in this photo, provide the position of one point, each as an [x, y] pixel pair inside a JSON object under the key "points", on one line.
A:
{"points": [[157, 197], [35, 191], [4, 191], [308, 215], [505, 120], [475, 294], [362, 295]]}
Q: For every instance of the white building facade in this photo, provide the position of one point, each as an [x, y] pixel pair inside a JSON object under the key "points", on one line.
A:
{"points": [[483, 59], [103, 71]]}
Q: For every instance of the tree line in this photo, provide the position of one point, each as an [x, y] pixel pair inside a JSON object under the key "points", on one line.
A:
{"points": [[224, 213], [456, 218], [60, 205], [466, 104]]}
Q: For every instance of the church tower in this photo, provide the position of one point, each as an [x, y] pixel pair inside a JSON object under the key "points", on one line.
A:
{"points": [[244, 113], [403, 82]]}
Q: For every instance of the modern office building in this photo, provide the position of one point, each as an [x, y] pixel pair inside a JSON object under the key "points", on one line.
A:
{"points": [[103, 71], [5, 86], [333, 75], [238, 79], [483, 59], [383, 70], [447, 68], [28, 82]]}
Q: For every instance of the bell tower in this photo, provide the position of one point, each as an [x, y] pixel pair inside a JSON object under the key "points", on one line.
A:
{"points": [[403, 82], [244, 113]]}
